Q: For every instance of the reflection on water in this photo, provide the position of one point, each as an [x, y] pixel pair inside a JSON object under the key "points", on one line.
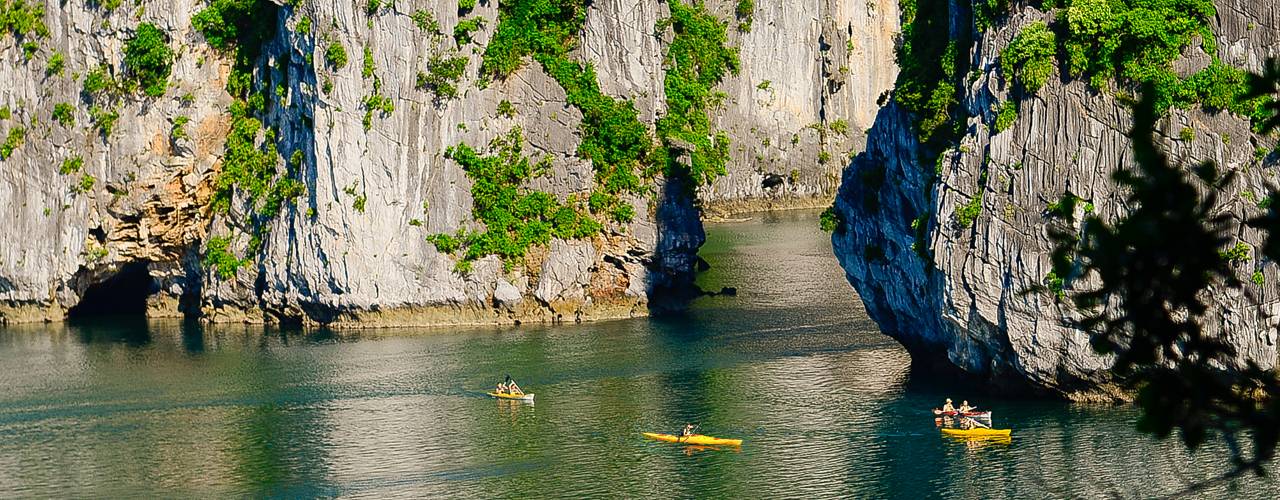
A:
{"points": [[825, 405]]}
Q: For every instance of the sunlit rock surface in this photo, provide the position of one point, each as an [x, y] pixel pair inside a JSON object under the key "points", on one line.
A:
{"points": [[805, 91]]}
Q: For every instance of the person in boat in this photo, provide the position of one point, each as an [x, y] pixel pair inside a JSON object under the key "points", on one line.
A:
{"points": [[512, 388], [948, 407], [964, 407], [502, 388], [969, 423], [688, 429]]}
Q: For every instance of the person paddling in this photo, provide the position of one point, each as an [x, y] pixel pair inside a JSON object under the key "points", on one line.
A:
{"points": [[688, 429], [512, 388], [964, 407], [502, 388], [947, 407]]}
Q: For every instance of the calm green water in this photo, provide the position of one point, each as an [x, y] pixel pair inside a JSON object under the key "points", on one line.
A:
{"points": [[827, 407]]}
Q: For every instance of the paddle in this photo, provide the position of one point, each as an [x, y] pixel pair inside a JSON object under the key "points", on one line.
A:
{"points": [[977, 423]]}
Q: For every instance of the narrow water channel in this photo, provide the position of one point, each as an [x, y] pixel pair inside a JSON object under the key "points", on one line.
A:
{"points": [[826, 406]]}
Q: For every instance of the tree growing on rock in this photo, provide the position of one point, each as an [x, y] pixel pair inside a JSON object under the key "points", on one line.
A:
{"points": [[149, 59]]}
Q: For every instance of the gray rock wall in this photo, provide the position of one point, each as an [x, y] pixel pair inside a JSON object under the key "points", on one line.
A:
{"points": [[325, 260], [965, 311]]}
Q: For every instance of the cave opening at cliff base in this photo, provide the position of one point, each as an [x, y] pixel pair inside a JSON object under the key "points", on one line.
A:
{"points": [[123, 294]]}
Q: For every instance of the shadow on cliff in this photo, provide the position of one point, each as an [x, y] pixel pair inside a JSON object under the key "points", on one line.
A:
{"points": [[675, 256]]}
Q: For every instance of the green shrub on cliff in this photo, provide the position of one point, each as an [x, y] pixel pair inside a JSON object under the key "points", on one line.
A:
{"points": [[426, 21], [21, 19], [1005, 116], [220, 258], [71, 165], [1030, 57], [239, 25], [336, 54], [968, 213], [443, 75], [177, 131], [830, 219], [104, 120], [251, 169], [612, 136], [1133, 39], [744, 11], [367, 71], [56, 62], [514, 218], [85, 185], [923, 84], [985, 12], [149, 59], [462, 32], [99, 80], [1237, 253], [445, 243], [63, 112], [17, 135]]}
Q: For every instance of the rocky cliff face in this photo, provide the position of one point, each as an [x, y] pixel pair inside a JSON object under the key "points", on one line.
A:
{"points": [[957, 302], [93, 200]]}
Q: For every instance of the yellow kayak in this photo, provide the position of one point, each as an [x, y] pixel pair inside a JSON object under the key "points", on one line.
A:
{"points": [[694, 439], [977, 432], [525, 397]]}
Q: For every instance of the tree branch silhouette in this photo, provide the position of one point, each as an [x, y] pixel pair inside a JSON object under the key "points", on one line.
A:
{"points": [[1158, 267]]}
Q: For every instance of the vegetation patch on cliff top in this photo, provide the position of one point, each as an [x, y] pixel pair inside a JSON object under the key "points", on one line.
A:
{"points": [[1030, 57], [1137, 41]]}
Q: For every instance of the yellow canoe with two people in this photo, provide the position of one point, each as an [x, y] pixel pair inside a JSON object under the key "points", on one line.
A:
{"points": [[693, 439], [522, 397]]}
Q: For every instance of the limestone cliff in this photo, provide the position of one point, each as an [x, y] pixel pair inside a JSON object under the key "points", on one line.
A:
{"points": [[107, 184], [947, 283]]}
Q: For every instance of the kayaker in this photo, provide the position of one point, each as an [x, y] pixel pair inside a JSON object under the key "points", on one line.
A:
{"points": [[964, 407], [502, 388], [688, 429], [948, 407]]}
